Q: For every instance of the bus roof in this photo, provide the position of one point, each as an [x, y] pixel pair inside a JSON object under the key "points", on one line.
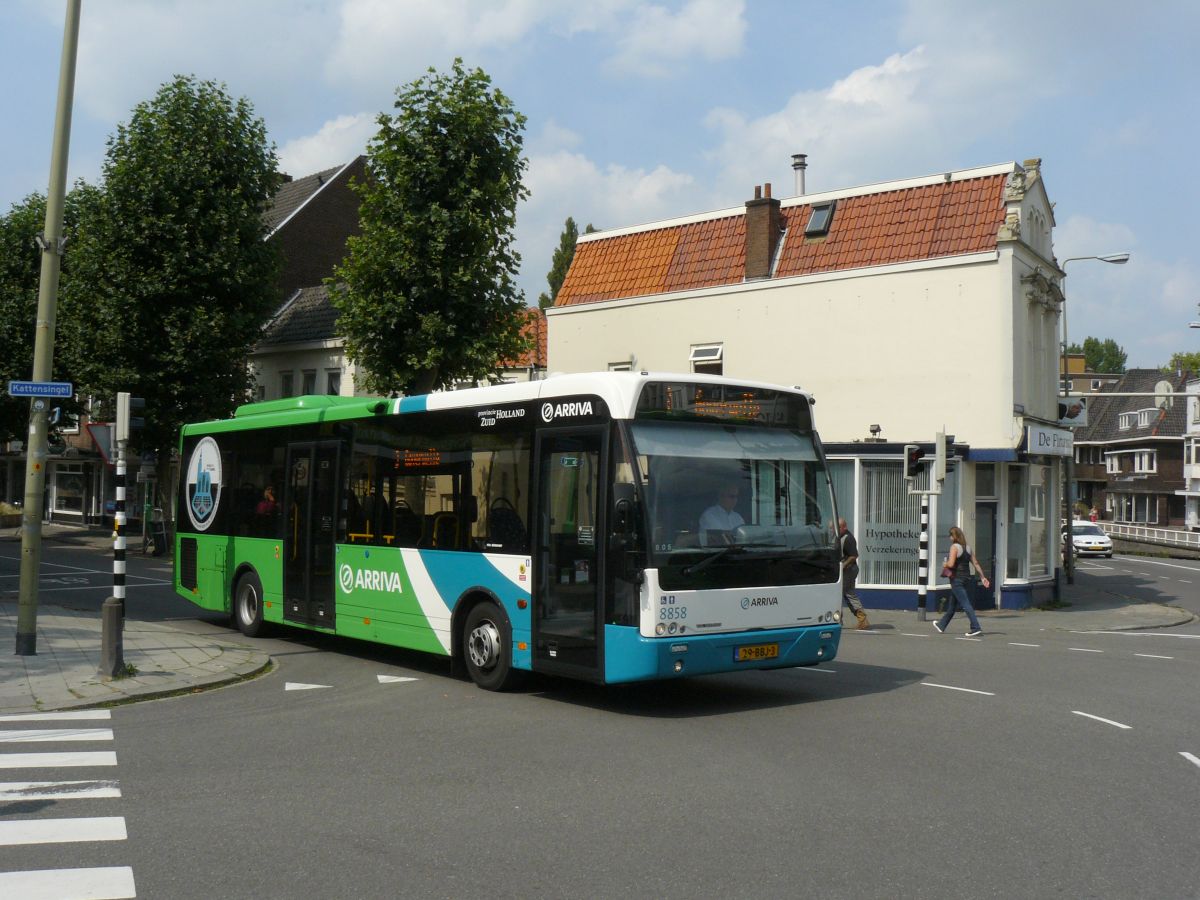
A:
{"points": [[619, 390]]}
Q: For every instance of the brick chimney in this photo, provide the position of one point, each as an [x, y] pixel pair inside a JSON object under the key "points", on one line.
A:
{"points": [[764, 224]]}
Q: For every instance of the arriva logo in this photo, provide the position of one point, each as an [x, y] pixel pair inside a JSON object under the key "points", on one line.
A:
{"points": [[551, 411], [748, 602], [368, 579]]}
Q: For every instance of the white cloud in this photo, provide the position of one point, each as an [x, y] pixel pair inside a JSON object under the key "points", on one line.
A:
{"points": [[399, 41], [338, 141], [658, 42], [563, 184]]}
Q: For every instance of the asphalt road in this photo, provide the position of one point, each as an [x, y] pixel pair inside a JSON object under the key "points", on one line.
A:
{"points": [[915, 765]]}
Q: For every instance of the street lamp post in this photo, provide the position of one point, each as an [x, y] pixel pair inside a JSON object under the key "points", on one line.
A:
{"points": [[1117, 259]]}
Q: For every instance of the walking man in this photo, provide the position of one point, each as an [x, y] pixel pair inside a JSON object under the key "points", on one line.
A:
{"points": [[850, 574]]}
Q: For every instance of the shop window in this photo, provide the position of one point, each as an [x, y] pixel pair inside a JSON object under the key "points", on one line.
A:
{"points": [[1039, 482], [985, 480], [1018, 523], [69, 488]]}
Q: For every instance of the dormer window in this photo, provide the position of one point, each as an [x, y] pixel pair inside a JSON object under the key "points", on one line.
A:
{"points": [[820, 219], [1125, 421]]}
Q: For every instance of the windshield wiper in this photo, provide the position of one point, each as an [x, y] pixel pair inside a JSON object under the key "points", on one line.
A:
{"points": [[707, 561]]}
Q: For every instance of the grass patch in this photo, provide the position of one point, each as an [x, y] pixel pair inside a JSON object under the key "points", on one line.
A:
{"points": [[1051, 605]]}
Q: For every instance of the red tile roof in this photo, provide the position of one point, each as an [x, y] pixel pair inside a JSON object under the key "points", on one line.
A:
{"points": [[947, 218], [535, 329]]}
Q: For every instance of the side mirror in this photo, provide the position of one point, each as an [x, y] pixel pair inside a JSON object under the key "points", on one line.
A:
{"points": [[623, 503]]}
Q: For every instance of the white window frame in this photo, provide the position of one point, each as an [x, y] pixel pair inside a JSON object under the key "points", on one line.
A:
{"points": [[625, 365], [1145, 462], [1112, 463], [707, 359]]}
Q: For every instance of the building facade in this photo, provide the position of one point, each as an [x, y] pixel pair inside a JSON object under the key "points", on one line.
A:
{"points": [[906, 308]]}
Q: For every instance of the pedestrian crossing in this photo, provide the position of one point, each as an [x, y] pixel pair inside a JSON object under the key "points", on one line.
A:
{"points": [[20, 737]]}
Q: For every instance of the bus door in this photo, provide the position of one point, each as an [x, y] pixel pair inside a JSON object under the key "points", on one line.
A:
{"points": [[568, 604], [311, 503]]}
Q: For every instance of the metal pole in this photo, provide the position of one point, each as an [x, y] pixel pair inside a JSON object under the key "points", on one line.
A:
{"points": [[923, 559], [43, 343], [112, 612]]}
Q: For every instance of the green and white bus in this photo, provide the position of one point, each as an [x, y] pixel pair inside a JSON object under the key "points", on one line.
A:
{"points": [[551, 526]]}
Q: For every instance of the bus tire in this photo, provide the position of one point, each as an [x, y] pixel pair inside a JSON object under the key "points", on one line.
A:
{"points": [[248, 605], [487, 648]]}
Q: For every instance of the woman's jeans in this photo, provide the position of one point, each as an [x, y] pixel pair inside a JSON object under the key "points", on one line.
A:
{"points": [[959, 597]]}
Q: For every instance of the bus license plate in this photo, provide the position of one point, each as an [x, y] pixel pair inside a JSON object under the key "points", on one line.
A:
{"points": [[756, 651]]}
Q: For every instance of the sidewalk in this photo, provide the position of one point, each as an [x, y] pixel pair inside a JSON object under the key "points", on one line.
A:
{"points": [[165, 659], [1088, 610]]}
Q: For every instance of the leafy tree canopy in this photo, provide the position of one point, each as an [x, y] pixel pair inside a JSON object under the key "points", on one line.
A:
{"points": [[1099, 356], [561, 261], [1184, 362], [20, 277], [172, 278], [426, 294]]}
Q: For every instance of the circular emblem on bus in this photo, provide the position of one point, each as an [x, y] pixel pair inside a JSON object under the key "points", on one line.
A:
{"points": [[745, 603], [346, 578], [204, 484], [547, 412]]}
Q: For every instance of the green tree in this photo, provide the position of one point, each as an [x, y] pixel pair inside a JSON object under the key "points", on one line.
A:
{"points": [[20, 275], [561, 261], [172, 278], [1099, 356], [1184, 362], [426, 294]]}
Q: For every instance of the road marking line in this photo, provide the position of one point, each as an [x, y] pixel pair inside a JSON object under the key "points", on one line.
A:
{"points": [[108, 587], [1152, 562], [58, 716], [815, 669], [1185, 581], [393, 679], [950, 687], [58, 790], [911, 634], [1019, 644], [32, 735], [1105, 721], [300, 686], [112, 883], [57, 760], [1153, 656], [62, 831], [1084, 650], [1191, 637], [1189, 757]]}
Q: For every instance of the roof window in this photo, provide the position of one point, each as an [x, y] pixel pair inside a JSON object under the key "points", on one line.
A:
{"points": [[819, 221]]}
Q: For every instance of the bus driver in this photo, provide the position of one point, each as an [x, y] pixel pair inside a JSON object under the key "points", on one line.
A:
{"points": [[719, 520]]}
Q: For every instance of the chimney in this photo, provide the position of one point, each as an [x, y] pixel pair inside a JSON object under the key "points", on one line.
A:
{"points": [[798, 167], [764, 224]]}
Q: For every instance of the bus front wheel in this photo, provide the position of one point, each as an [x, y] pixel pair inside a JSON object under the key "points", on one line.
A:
{"points": [[248, 605], [487, 648]]}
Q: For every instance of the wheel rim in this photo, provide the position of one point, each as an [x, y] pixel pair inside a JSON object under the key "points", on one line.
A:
{"points": [[483, 645], [248, 603]]}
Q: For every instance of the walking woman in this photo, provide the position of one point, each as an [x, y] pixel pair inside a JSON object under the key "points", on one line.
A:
{"points": [[959, 562]]}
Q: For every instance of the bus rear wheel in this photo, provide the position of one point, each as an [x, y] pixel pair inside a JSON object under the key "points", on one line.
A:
{"points": [[487, 648], [248, 605]]}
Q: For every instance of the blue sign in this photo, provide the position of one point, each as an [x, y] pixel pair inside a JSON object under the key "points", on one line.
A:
{"points": [[41, 389]]}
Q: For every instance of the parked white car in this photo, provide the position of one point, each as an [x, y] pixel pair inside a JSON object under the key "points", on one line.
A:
{"points": [[1090, 540]]}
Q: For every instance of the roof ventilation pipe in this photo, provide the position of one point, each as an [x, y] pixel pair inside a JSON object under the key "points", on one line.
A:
{"points": [[798, 167]]}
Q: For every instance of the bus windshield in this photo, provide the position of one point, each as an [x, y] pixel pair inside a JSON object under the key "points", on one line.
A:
{"points": [[733, 505]]}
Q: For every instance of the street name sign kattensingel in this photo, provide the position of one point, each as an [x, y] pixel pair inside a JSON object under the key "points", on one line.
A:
{"points": [[40, 389]]}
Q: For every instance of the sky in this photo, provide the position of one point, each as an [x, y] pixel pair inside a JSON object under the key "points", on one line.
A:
{"points": [[639, 111]]}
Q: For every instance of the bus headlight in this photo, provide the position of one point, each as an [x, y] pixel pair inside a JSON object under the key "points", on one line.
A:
{"points": [[671, 628], [835, 616], [660, 628]]}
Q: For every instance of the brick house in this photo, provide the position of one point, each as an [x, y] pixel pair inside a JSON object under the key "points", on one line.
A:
{"points": [[1130, 456]]}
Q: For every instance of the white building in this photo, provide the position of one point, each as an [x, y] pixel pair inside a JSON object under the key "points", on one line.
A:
{"points": [[1191, 458], [906, 308]]}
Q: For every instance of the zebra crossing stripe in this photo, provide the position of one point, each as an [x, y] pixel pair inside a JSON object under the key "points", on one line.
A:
{"points": [[58, 790], [62, 831], [34, 735], [85, 714], [57, 760], [393, 679], [111, 883]]}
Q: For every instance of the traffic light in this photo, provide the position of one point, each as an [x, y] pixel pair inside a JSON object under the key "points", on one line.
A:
{"points": [[939, 456], [912, 460], [126, 420]]}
